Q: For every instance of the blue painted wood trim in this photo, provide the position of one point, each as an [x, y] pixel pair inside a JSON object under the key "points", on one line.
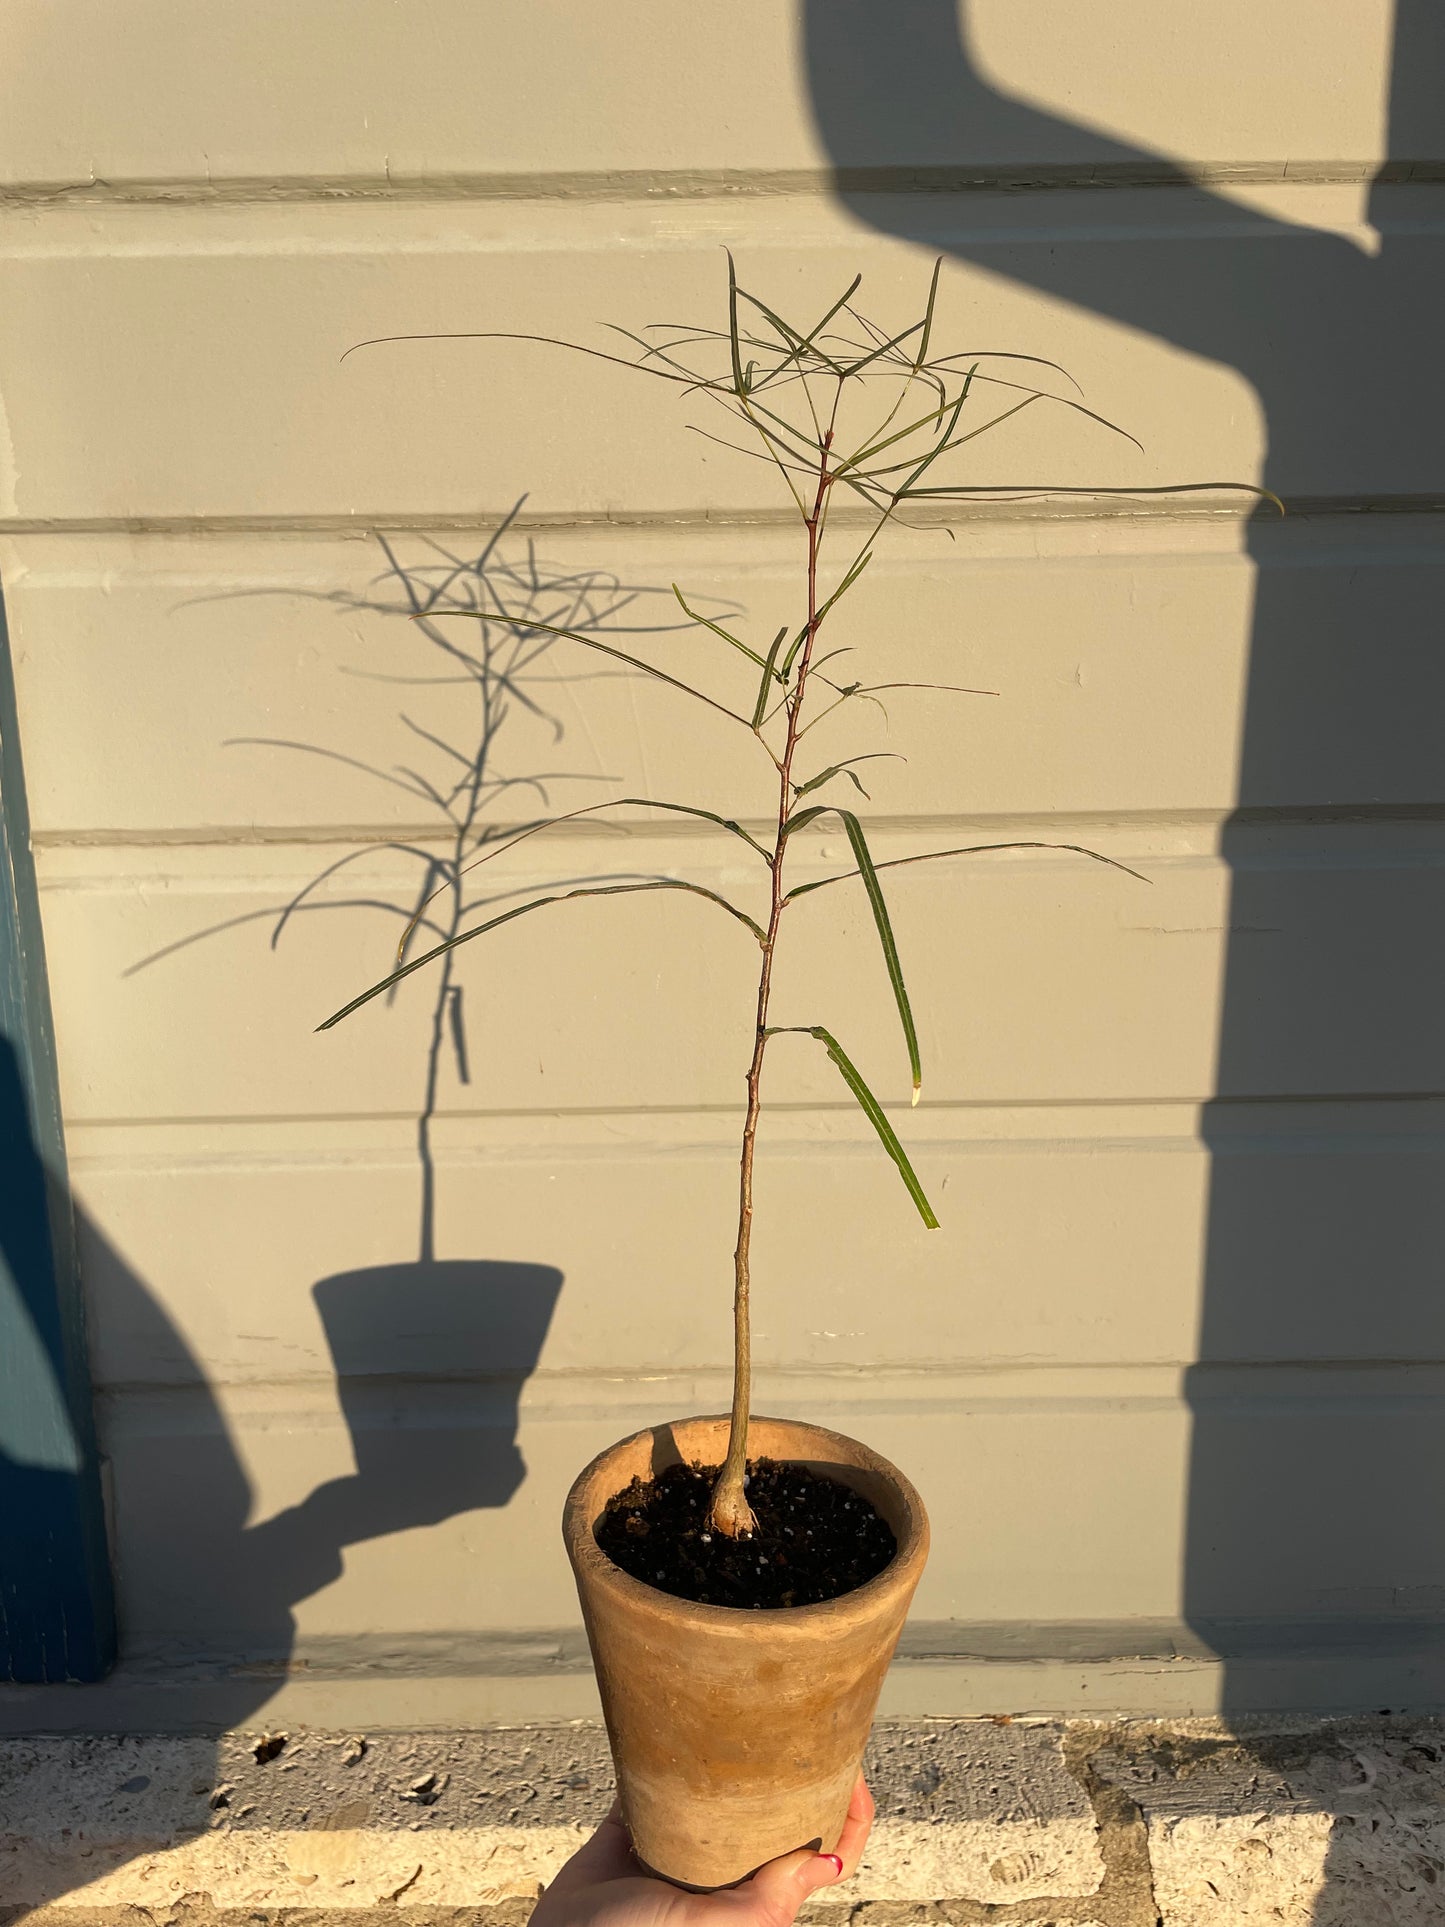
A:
{"points": [[57, 1617]]}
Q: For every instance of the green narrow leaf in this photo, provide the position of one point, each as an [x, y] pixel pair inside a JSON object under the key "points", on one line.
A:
{"points": [[787, 334], [737, 356], [900, 434], [521, 910], [883, 348], [802, 343], [863, 858], [794, 646], [495, 850], [708, 816], [1023, 490], [842, 769], [588, 642], [846, 584], [928, 316], [1031, 395], [842, 589], [843, 299], [874, 1113], [770, 672], [948, 688], [804, 451], [717, 628], [549, 341], [613, 803], [943, 442], [994, 421], [967, 849], [868, 872], [802, 818]]}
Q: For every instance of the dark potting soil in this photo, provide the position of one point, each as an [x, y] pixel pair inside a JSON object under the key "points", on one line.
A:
{"points": [[816, 1538]]}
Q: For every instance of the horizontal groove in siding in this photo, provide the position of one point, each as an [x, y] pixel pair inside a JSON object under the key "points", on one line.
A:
{"points": [[363, 523], [1364, 815], [488, 1144], [654, 184], [941, 1388]]}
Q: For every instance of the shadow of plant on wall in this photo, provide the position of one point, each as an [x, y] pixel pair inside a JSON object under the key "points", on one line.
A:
{"points": [[463, 788], [430, 1353]]}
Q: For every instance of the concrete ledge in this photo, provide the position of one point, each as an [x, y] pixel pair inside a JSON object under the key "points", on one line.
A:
{"points": [[1324, 1826], [977, 1811], [1033, 1824], [944, 1668]]}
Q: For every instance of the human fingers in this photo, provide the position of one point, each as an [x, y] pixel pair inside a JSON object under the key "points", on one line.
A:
{"points": [[606, 1856], [772, 1897], [854, 1837]]}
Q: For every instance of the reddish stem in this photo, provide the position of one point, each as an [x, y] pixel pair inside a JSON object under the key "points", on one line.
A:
{"points": [[730, 1512]]}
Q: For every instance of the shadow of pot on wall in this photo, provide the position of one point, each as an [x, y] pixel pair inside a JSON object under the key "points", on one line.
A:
{"points": [[431, 1357]]}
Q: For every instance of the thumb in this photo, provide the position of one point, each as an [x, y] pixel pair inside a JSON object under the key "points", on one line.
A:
{"points": [[779, 1889]]}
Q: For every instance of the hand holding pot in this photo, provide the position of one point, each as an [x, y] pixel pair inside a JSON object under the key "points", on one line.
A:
{"points": [[603, 1885]]}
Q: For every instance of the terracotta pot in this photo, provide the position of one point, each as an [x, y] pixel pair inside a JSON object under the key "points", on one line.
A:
{"points": [[737, 1734]]}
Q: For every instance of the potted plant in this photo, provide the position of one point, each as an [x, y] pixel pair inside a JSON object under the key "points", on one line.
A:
{"points": [[744, 1579]]}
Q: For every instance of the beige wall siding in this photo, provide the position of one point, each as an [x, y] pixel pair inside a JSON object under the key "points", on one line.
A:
{"points": [[334, 91], [1195, 1115]]}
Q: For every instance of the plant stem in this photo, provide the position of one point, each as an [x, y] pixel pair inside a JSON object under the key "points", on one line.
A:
{"points": [[730, 1512]]}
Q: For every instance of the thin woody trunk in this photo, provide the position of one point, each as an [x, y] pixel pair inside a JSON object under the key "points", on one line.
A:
{"points": [[730, 1513]]}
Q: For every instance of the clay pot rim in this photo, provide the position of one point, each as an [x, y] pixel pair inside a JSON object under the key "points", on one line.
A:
{"points": [[902, 1569]]}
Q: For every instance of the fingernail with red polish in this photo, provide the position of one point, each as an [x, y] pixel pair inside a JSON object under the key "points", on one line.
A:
{"points": [[837, 1861]]}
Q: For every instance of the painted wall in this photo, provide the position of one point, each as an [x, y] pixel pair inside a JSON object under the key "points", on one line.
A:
{"points": [[1170, 1374]]}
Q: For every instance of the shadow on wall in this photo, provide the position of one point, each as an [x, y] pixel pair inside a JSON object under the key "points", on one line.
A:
{"points": [[55, 1619], [498, 655], [430, 1354], [430, 1361], [1316, 1535]]}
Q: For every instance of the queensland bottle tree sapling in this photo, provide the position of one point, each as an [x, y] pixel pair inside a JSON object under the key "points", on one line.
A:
{"points": [[844, 411]]}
